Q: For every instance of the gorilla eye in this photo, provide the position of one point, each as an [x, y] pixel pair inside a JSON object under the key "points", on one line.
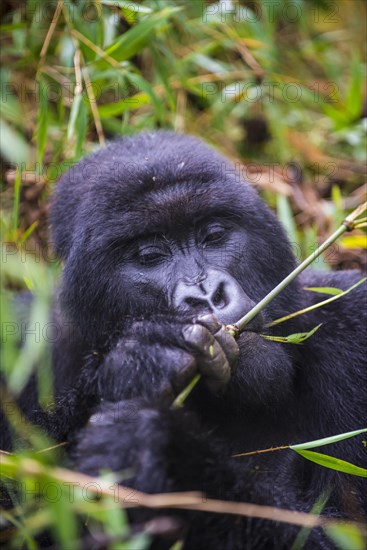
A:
{"points": [[214, 234], [151, 255]]}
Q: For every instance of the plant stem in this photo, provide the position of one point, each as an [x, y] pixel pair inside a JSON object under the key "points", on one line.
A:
{"points": [[348, 225], [180, 399]]}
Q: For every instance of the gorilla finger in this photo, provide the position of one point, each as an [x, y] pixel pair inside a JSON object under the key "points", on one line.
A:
{"points": [[186, 368], [212, 361], [229, 346], [227, 342], [213, 364], [210, 322]]}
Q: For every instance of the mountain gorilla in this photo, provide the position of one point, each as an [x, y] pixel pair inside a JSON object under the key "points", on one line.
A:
{"points": [[163, 243]]}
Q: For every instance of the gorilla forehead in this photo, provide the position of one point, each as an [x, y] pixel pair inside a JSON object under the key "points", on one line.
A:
{"points": [[152, 181], [177, 206]]}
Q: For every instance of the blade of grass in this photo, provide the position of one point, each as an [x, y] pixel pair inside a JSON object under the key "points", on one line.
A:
{"points": [[333, 463], [346, 536], [326, 440], [304, 532], [16, 202]]}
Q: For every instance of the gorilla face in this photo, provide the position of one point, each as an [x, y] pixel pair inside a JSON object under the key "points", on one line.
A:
{"points": [[190, 270], [164, 223]]}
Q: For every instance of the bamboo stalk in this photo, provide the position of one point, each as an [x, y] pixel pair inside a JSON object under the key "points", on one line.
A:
{"points": [[348, 224]]}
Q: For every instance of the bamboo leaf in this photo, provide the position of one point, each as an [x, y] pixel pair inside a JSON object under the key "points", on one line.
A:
{"points": [[295, 338], [81, 128], [139, 82], [136, 38], [325, 290], [346, 536], [354, 98], [285, 215], [74, 115], [13, 146], [133, 6], [326, 440], [316, 509], [128, 104], [42, 121], [355, 241], [333, 463], [16, 202]]}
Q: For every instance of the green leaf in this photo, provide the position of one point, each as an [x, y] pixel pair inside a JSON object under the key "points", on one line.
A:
{"points": [[316, 509], [325, 290], [81, 129], [285, 215], [302, 336], [66, 531], [136, 38], [346, 536], [355, 241], [42, 121], [74, 115], [295, 338], [163, 61], [16, 202], [133, 6], [128, 104], [326, 440], [115, 521], [333, 463], [13, 146], [139, 82], [354, 98]]}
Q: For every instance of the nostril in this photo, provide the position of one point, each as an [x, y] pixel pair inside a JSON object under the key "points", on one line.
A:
{"points": [[219, 299], [195, 302]]}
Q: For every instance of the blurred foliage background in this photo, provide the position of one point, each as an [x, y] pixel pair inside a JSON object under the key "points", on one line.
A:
{"points": [[278, 86]]}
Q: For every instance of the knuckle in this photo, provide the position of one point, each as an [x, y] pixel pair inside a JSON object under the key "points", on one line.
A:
{"points": [[196, 334], [210, 321]]}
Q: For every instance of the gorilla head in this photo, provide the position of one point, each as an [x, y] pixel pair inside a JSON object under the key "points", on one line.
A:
{"points": [[161, 222]]}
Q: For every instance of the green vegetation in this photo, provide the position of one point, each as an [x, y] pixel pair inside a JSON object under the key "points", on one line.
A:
{"points": [[277, 86]]}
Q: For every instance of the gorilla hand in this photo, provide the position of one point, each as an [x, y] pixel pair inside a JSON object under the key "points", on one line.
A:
{"points": [[157, 359]]}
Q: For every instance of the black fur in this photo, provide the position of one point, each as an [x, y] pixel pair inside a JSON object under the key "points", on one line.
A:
{"points": [[127, 354]]}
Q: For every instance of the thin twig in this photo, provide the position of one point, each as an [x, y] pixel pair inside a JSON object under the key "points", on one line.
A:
{"points": [[128, 498], [79, 36], [88, 84], [51, 30], [261, 451], [93, 106], [57, 446]]}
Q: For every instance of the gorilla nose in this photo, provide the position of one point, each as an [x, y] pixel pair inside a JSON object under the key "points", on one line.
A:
{"points": [[202, 297], [218, 293]]}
